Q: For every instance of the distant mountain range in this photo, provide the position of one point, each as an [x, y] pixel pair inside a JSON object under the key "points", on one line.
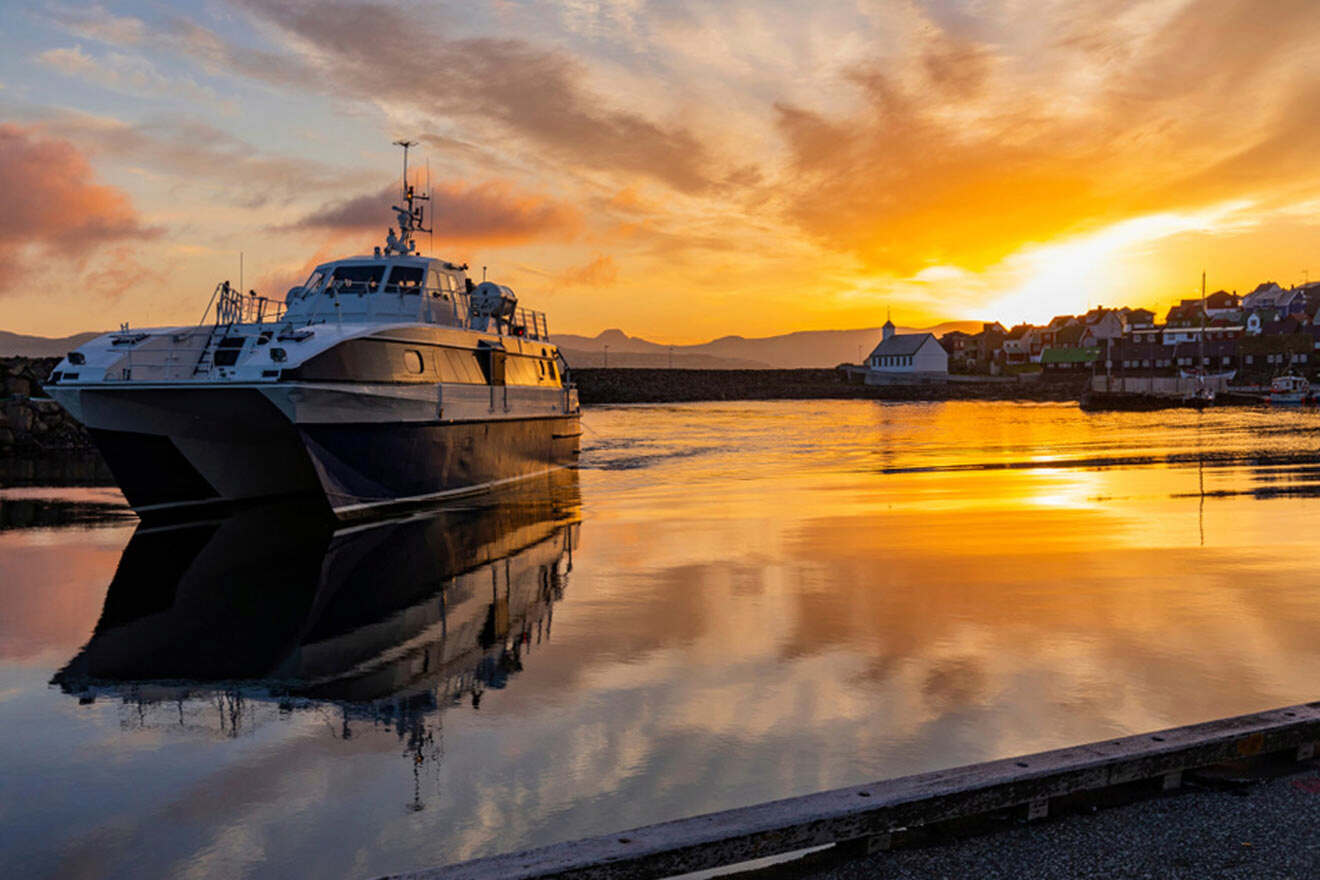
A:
{"points": [[16, 344], [805, 348]]}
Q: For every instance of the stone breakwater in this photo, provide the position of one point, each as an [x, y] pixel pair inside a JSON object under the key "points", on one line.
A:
{"points": [[33, 425], [30, 422], [677, 386]]}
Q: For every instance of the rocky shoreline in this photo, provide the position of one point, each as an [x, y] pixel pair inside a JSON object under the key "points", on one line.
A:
{"points": [[31, 424], [34, 426]]}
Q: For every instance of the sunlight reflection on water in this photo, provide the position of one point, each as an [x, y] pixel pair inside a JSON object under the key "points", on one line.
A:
{"points": [[764, 599]]}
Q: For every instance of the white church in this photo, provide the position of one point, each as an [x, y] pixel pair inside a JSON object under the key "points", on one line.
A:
{"points": [[906, 357]]}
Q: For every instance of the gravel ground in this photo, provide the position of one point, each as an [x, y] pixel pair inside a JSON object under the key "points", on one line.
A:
{"points": [[1269, 829]]}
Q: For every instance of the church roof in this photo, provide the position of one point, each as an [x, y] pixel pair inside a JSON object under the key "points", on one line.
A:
{"points": [[903, 344]]}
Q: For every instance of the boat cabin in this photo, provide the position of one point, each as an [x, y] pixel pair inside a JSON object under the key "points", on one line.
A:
{"points": [[409, 288]]}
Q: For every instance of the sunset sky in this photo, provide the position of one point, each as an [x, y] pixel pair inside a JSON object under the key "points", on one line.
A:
{"points": [[678, 170]]}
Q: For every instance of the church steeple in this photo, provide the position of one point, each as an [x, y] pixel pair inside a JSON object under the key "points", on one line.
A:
{"points": [[887, 330]]}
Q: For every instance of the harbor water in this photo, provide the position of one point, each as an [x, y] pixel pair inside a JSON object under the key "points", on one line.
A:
{"points": [[724, 603]]}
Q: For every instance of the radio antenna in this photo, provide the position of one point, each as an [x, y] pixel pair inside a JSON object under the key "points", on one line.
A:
{"points": [[412, 219]]}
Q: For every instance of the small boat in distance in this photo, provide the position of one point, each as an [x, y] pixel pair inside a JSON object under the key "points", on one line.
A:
{"points": [[1290, 389], [382, 379]]}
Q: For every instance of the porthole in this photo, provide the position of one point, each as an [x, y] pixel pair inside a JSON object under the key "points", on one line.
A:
{"points": [[412, 361]]}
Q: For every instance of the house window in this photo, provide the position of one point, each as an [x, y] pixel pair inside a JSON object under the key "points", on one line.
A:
{"points": [[1225, 360], [1250, 359], [1301, 358], [1145, 363]]}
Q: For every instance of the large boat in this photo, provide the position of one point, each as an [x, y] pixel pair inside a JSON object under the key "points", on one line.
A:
{"points": [[383, 379]]}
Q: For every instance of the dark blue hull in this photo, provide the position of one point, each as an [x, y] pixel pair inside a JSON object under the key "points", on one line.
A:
{"points": [[228, 447], [366, 465]]}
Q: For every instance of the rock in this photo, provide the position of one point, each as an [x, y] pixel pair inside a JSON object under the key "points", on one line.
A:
{"points": [[38, 426], [19, 417], [17, 386]]}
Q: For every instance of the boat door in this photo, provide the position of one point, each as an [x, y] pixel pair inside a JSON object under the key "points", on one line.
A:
{"points": [[492, 363]]}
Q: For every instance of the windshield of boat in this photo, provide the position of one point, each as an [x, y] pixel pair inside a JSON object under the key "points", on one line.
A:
{"points": [[356, 279], [405, 279]]}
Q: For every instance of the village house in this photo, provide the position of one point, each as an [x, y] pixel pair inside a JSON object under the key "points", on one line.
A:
{"points": [[957, 344], [1100, 326], [1138, 319], [1271, 296], [906, 357], [1068, 361], [1269, 354], [1216, 330], [989, 344], [1048, 333], [1022, 343], [1258, 319]]}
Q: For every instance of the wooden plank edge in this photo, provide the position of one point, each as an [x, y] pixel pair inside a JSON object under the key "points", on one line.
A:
{"points": [[741, 834]]}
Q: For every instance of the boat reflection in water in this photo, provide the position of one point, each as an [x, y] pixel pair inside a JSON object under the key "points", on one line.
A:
{"points": [[279, 606]]}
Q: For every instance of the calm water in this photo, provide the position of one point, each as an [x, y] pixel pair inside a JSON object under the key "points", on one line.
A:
{"points": [[726, 603]]}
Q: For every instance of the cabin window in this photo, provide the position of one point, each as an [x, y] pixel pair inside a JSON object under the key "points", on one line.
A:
{"points": [[435, 285], [412, 361], [405, 279], [356, 279], [313, 282]]}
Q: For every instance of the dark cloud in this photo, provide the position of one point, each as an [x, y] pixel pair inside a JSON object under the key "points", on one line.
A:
{"points": [[489, 213], [527, 92], [52, 207]]}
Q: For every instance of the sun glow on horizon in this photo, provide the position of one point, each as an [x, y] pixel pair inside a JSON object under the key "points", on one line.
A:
{"points": [[1079, 272]]}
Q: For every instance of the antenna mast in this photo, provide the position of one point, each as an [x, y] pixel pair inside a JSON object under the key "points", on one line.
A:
{"points": [[411, 218]]}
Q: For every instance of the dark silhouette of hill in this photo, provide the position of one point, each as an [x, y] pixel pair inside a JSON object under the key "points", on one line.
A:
{"points": [[804, 348], [18, 345]]}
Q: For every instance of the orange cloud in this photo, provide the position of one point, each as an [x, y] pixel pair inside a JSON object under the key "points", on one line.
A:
{"points": [[601, 271], [956, 155], [51, 206], [491, 213]]}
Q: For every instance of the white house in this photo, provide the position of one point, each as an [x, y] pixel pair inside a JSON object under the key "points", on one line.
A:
{"points": [[906, 357]]}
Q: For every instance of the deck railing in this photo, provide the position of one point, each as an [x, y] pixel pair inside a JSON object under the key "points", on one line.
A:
{"points": [[529, 323], [232, 306]]}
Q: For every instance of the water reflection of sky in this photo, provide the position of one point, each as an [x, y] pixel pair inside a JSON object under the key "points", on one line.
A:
{"points": [[765, 599]]}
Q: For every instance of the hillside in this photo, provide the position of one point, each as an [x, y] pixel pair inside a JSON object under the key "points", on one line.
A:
{"points": [[803, 349], [18, 345]]}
